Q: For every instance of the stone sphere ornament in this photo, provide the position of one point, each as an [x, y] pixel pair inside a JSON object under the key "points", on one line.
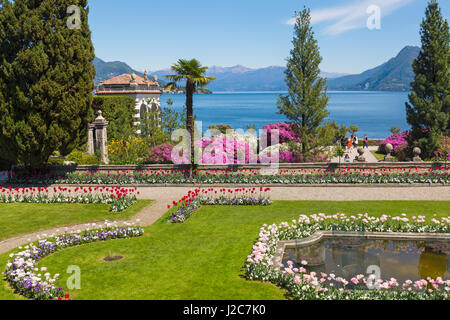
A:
{"points": [[388, 148], [417, 152]]}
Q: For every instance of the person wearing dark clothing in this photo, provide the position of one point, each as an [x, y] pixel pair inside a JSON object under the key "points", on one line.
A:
{"points": [[366, 142]]}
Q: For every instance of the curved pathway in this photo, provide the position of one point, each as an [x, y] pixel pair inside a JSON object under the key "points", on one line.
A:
{"points": [[165, 196]]}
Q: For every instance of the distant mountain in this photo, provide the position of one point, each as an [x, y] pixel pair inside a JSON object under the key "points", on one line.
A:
{"points": [[240, 78], [394, 75], [108, 70]]}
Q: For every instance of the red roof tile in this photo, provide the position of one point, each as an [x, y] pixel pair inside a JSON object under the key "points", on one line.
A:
{"points": [[125, 79]]}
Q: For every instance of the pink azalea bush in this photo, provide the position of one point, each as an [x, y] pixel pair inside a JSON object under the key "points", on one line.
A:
{"points": [[286, 132], [290, 157], [220, 150], [400, 142], [161, 154]]}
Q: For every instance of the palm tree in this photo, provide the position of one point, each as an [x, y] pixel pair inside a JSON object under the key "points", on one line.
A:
{"points": [[193, 73]]}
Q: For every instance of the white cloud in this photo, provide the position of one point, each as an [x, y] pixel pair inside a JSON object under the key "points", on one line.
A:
{"points": [[351, 16]]}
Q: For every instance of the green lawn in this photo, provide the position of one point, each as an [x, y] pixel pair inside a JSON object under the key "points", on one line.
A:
{"points": [[380, 155], [22, 218], [201, 259]]}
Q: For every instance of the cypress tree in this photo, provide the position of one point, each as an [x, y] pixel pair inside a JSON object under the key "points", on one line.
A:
{"points": [[428, 110], [46, 79], [306, 102]]}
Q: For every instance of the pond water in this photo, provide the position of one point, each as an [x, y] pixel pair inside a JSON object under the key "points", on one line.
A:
{"points": [[399, 259]]}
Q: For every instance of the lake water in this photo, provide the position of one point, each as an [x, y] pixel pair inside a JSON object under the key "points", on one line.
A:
{"points": [[373, 112]]}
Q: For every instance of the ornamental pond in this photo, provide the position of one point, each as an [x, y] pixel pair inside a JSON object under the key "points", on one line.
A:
{"points": [[347, 257]]}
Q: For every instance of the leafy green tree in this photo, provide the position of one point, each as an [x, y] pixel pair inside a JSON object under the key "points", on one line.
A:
{"points": [[193, 73], [119, 112], [223, 128], [353, 129], [306, 102], [46, 79], [170, 120], [395, 130], [151, 129], [428, 110]]}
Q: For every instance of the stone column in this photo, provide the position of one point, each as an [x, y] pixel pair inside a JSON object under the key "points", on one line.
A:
{"points": [[101, 138], [90, 143]]}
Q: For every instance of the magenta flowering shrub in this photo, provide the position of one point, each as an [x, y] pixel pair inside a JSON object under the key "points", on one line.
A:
{"points": [[290, 157], [219, 150], [286, 132], [400, 142], [443, 152], [161, 154]]}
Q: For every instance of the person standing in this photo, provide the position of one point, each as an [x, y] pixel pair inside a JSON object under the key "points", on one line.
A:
{"points": [[349, 143], [366, 142], [355, 141]]}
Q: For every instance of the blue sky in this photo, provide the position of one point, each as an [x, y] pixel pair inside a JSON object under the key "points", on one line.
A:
{"points": [[152, 34]]}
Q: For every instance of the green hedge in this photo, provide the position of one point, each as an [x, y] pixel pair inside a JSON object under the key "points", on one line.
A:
{"points": [[119, 112], [5, 165]]}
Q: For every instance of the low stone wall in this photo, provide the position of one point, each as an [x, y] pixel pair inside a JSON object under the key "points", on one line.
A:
{"points": [[282, 166]]}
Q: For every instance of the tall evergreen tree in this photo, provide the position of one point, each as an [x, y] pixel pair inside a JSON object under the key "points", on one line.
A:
{"points": [[429, 109], [46, 78], [306, 102]]}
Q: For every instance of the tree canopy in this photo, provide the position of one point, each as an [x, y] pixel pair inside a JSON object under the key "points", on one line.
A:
{"points": [[428, 110], [46, 78]]}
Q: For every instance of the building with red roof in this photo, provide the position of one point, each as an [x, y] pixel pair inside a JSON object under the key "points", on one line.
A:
{"points": [[146, 92]]}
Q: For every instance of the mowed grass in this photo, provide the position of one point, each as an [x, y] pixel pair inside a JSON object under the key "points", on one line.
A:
{"points": [[201, 259], [22, 218]]}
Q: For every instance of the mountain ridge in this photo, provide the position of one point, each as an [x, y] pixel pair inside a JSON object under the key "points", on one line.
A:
{"points": [[394, 75]]}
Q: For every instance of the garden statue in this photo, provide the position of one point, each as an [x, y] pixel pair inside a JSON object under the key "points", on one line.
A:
{"points": [[417, 152], [133, 81], [97, 137], [361, 157], [388, 148]]}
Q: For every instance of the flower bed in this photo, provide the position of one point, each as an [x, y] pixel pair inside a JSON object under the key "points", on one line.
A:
{"points": [[246, 176], [23, 276], [119, 198], [187, 205], [311, 286]]}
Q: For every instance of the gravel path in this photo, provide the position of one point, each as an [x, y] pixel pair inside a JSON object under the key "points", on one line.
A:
{"points": [[165, 196], [353, 153]]}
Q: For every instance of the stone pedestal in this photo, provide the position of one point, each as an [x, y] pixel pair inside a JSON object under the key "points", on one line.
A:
{"points": [[98, 138]]}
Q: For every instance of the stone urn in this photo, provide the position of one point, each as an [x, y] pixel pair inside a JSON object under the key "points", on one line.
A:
{"points": [[361, 157], [388, 148], [417, 152]]}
